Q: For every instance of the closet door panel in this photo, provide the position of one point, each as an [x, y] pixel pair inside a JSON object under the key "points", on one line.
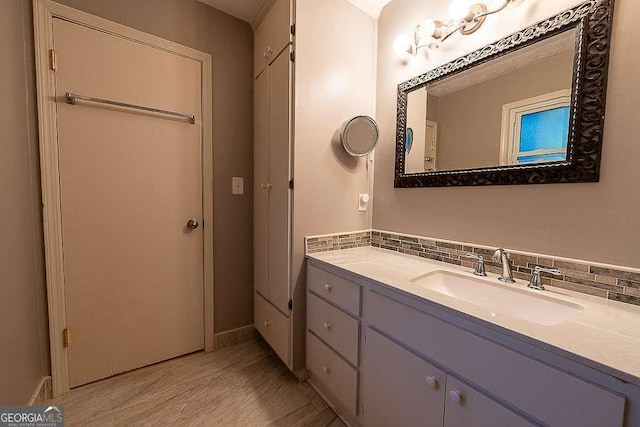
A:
{"points": [[279, 167], [280, 17], [261, 40], [260, 185]]}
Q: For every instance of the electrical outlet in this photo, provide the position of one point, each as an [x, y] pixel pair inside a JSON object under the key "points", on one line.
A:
{"points": [[237, 185], [363, 199]]}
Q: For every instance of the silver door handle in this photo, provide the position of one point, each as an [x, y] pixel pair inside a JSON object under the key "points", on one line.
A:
{"points": [[192, 224]]}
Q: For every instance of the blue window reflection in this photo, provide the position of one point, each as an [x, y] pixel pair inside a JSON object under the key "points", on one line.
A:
{"points": [[556, 157], [545, 130]]}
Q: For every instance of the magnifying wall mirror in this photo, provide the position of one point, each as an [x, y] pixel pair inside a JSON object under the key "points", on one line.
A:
{"points": [[528, 109], [359, 136]]}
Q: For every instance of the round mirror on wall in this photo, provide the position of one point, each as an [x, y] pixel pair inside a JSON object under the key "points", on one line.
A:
{"points": [[359, 136]]}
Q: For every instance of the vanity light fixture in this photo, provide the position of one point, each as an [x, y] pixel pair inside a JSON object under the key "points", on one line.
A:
{"points": [[466, 17]]}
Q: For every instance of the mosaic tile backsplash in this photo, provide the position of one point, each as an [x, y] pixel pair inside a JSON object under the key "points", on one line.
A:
{"points": [[613, 283]]}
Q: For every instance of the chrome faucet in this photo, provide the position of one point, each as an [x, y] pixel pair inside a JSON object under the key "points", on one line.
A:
{"points": [[504, 257], [536, 281], [479, 270]]}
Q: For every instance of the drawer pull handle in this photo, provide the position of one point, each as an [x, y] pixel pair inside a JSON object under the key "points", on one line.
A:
{"points": [[326, 369], [267, 323], [328, 287], [432, 382], [456, 396], [327, 326]]}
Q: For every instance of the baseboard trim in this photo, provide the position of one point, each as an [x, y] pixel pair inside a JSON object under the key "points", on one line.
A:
{"points": [[235, 336], [41, 393]]}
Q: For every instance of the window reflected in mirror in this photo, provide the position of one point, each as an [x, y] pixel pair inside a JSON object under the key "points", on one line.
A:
{"points": [[508, 112]]}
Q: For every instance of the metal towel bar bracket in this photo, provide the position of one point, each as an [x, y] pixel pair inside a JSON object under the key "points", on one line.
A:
{"points": [[72, 98]]}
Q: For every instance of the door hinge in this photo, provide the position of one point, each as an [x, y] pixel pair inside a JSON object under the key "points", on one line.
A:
{"points": [[292, 55], [65, 338], [293, 29], [53, 60], [291, 184], [290, 304]]}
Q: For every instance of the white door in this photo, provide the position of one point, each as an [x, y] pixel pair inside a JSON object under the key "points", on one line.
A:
{"points": [[130, 181]]}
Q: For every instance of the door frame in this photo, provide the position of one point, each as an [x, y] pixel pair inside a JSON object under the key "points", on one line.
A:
{"points": [[44, 11]]}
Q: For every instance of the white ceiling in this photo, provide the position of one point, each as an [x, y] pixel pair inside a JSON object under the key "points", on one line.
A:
{"points": [[241, 9], [372, 7], [247, 9]]}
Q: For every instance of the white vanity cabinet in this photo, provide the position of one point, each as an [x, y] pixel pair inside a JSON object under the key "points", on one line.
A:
{"points": [[333, 338], [465, 406], [400, 388], [391, 371], [544, 393], [415, 364]]}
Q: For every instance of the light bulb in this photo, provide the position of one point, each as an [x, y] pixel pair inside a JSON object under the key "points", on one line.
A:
{"points": [[459, 9], [403, 47], [427, 30]]}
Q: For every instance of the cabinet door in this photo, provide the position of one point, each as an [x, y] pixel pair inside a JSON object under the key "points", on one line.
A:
{"points": [[260, 188], [280, 19], [279, 168], [399, 388], [261, 40], [468, 407]]}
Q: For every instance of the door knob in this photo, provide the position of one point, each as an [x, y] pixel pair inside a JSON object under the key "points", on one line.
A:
{"points": [[192, 224]]}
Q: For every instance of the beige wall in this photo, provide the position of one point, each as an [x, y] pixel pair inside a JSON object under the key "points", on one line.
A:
{"points": [[24, 356], [23, 328], [470, 120], [592, 221], [334, 81]]}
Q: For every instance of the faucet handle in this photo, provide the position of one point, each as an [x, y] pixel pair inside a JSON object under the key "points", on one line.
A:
{"points": [[538, 269], [479, 270], [536, 281]]}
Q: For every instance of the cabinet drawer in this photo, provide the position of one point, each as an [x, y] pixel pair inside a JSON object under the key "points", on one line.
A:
{"points": [[336, 328], [466, 406], [549, 395], [333, 373], [339, 291], [273, 326]]}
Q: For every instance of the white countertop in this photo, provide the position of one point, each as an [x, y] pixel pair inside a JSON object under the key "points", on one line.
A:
{"points": [[604, 335]]}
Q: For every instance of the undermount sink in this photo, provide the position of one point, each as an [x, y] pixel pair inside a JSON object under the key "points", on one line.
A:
{"points": [[500, 300]]}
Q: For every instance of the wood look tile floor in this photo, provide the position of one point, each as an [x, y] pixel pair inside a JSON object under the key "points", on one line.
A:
{"points": [[244, 385]]}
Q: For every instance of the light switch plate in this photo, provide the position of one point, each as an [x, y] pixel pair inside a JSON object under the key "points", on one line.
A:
{"points": [[237, 185]]}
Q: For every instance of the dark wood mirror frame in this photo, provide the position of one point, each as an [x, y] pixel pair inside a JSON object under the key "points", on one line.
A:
{"points": [[592, 21]]}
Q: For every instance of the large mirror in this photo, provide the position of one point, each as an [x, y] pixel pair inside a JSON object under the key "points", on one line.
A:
{"points": [[527, 109]]}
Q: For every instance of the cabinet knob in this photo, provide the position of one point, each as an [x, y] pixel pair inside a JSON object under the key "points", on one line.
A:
{"points": [[327, 326], [328, 287], [267, 323], [456, 396], [326, 369], [432, 382]]}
